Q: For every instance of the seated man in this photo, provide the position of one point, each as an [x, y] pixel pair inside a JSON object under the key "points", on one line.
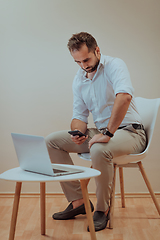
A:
{"points": [[103, 87]]}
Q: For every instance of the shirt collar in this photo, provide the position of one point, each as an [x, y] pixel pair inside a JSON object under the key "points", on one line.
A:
{"points": [[102, 61]]}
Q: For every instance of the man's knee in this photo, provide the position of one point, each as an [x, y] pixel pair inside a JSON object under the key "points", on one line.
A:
{"points": [[52, 140], [100, 153], [48, 139]]}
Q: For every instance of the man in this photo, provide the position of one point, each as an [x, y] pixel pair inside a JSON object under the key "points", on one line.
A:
{"points": [[103, 87]]}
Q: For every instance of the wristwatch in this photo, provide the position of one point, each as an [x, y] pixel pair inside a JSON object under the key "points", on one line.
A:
{"points": [[107, 132]]}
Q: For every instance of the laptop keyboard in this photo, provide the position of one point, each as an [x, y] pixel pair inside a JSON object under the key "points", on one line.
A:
{"points": [[59, 171]]}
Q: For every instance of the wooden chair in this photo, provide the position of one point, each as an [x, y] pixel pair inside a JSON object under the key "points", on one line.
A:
{"points": [[148, 109]]}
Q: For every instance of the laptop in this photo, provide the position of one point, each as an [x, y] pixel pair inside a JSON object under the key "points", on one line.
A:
{"points": [[33, 156]]}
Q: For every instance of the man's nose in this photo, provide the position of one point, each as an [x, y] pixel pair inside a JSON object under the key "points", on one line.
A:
{"points": [[83, 65]]}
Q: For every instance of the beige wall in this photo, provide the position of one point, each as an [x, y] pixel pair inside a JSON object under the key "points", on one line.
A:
{"points": [[36, 69]]}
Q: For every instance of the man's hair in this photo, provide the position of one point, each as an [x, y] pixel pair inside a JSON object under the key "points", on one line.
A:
{"points": [[79, 39]]}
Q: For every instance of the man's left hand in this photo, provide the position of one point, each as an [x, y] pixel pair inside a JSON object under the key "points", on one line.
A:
{"points": [[99, 138]]}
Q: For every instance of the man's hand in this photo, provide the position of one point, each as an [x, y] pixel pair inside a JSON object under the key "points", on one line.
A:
{"points": [[79, 140], [77, 124], [99, 138]]}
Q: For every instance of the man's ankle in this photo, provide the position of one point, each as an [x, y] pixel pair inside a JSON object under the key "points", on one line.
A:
{"points": [[106, 212], [77, 203]]}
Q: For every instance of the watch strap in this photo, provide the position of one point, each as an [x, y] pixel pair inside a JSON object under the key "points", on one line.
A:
{"points": [[107, 132]]}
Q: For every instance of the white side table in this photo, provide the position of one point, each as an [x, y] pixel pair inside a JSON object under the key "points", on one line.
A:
{"points": [[18, 175]]}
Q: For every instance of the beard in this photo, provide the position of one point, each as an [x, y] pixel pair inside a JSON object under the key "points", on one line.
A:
{"points": [[92, 68]]}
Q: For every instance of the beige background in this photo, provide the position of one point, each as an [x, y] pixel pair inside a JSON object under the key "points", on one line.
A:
{"points": [[36, 69]]}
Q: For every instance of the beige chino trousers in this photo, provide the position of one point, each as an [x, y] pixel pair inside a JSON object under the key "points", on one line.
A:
{"points": [[125, 141]]}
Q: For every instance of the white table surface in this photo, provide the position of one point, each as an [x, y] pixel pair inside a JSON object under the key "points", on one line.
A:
{"points": [[19, 175]]}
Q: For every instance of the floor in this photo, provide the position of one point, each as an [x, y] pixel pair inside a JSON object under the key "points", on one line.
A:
{"points": [[138, 221]]}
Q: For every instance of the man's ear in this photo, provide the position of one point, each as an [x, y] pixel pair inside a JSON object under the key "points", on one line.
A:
{"points": [[97, 52]]}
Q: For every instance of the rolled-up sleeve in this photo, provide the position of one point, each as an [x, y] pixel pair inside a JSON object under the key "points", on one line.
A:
{"points": [[80, 110], [120, 78]]}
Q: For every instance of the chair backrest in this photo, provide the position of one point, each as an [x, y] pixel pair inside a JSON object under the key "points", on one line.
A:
{"points": [[148, 109]]}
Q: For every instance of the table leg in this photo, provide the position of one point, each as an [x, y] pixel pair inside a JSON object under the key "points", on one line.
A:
{"points": [[42, 204], [15, 210], [88, 208]]}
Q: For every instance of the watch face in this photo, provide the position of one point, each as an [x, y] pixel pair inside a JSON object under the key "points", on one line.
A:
{"points": [[105, 131]]}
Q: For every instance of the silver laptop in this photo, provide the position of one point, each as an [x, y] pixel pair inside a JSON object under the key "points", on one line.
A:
{"points": [[33, 156]]}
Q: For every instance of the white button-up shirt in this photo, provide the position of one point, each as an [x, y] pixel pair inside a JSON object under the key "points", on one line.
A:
{"points": [[97, 95]]}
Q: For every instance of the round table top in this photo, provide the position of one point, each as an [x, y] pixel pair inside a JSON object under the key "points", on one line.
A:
{"points": [[19, 175]]}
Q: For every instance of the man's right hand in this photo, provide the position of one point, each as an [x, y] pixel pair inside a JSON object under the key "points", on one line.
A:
{"points": [[79, 140], [77, 124]]}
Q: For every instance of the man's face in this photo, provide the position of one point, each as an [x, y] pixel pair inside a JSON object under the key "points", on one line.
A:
{"points": [[88, 61]]}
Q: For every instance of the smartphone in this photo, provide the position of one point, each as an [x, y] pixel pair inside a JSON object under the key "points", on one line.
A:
{"points": [[76, 132]]}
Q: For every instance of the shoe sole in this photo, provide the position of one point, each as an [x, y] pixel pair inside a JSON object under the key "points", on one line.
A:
{"points": [[67, 218]]}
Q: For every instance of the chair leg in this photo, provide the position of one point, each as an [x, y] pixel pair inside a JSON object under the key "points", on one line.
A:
{"points": [[112, 198], [42, 204], [84, 184], [15, 210], [122, 186], [149, 186]]}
